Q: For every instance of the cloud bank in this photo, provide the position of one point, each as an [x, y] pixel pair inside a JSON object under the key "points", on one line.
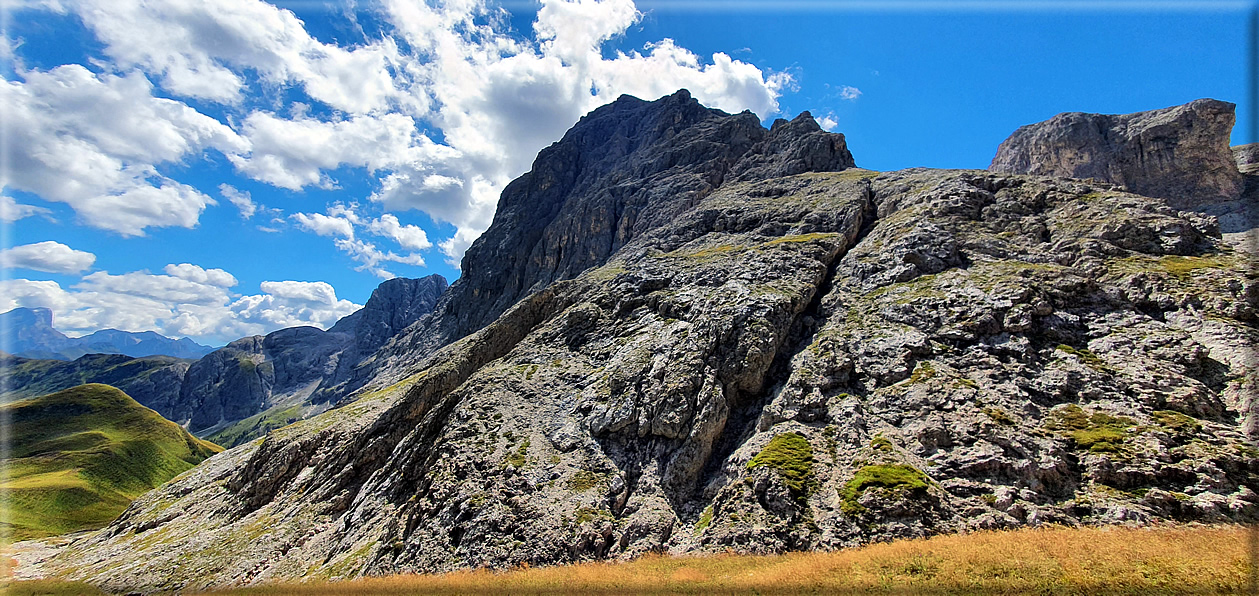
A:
{"points": [[442, 107]]}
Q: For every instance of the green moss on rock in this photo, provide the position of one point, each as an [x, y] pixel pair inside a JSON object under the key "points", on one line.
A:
{"points": [[885, 476], [791, 456]]}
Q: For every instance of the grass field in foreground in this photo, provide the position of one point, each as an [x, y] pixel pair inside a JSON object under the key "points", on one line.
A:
{"points": [[79, 456], [1168, 560]]}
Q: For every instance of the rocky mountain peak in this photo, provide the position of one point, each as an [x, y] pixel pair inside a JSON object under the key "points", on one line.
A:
{"points": [[1179, 153], [624, 169]]}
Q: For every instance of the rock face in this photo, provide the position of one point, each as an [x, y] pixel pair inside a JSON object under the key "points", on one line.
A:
{"points": [[1247, 158], [679, 358], [1179, 153], [624, 169]]}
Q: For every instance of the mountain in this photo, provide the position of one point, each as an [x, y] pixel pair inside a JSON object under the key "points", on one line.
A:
{"points": [[79, 456], [685, 332], [31, 334], [243, 390], [152, 380], [259, 383]]}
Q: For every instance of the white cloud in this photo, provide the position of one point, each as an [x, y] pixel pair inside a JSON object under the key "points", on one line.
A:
{"points": [[93, 142], [444, 107], [240, 199], [194, 273], [188, 301], [408, 236], [11, 210], [295, 153], [202, 49], [341, 222], [369, 257], [849, 93], [53, 257], [324, 225], [827, 122]]}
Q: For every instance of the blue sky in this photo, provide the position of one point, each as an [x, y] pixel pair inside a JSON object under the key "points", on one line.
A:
{"points": [[221, 173]]}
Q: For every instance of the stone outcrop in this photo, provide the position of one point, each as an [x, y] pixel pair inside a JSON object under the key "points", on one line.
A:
{"points": [[649, 352], [1180, 153]]}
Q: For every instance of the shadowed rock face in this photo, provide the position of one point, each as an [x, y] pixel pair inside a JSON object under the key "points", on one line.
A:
{"points": [[1180, 153], [811, 361]]}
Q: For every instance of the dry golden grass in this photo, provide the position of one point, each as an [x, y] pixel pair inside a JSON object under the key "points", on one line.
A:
{"points": [[1168, 560], [1175, 560]]}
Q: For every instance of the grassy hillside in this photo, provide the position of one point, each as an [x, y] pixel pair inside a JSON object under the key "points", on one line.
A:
{"points": [[80, 456], [1115, 560]]}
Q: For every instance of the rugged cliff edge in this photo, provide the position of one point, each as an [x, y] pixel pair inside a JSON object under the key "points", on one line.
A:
{"points": [[678, 334]]}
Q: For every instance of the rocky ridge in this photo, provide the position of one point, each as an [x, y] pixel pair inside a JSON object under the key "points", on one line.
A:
{"points": [[655, 352]]}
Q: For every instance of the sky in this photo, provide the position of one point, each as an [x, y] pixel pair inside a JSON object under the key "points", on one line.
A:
{"points": [[222, 169]]}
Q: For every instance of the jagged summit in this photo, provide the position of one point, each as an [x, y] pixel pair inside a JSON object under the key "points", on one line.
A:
{"points": [[624, 169]]}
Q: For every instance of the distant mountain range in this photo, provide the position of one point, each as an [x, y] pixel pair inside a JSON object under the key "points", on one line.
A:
{"points": [[30, 334]]}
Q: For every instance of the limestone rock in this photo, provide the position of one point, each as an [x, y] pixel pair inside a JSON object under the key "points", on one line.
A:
{"points": [[1179, 153], [812, 361]]}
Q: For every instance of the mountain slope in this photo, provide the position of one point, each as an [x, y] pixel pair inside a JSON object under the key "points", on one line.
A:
{"points": [[31, 335], [78, 457], [153, 381], [809, 360], [256, 384]]}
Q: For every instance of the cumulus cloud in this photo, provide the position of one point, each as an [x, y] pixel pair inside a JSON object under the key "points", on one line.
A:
{"points": [[342, 221], [849, 93], [442, 108], [93, 142], [408, 236], [11, 210], [202, 49], [324, 225], [195, 274], [187, 301], [827, 122], [49, 256]]}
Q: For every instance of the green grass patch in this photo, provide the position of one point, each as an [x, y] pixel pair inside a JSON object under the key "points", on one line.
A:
{"points": [[518, 457], [1090, 359], [791, 456], [248, 429], [922, 372], [705, 520], [81, 455], [999, 416], [880, 443], [1185, 267]]}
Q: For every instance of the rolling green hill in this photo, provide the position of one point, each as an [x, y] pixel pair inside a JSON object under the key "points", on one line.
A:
{"points": [[79, 457]]}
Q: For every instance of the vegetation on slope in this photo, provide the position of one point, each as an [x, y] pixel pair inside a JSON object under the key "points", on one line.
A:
{"points": [[81, 455], [35, 377], [1057, 560]]}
